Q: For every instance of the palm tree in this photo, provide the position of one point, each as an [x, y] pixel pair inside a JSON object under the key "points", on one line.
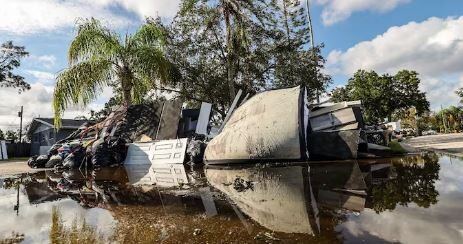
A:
{"points": [[235, 14], [99, 57]]}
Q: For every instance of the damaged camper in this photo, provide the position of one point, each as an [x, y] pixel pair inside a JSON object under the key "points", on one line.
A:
{"points": [[281, 125]]}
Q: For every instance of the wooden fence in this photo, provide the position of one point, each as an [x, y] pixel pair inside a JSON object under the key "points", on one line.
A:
{"points": [[18, 149]]}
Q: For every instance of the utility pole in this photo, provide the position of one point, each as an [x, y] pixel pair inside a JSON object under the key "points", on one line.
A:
{"points": [[443, 119], [20, 114], [314, 55]]}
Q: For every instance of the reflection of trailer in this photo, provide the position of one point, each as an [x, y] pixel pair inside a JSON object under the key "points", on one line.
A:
{"points": [[3, 151]]}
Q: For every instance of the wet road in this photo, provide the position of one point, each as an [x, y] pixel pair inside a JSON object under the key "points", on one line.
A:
{"points": [[16, 167], [413, 199], [446, 143]]}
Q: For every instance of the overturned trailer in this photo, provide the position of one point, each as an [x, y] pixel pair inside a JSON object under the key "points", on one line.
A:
{"points": [[280, 125]]}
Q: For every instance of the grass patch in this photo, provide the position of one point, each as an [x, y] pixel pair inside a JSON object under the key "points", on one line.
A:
{"points": [[396, 147]]}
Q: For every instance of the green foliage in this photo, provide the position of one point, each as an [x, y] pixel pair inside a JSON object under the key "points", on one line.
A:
{"points": [[99, 57], [340, 94], [10, 59], [448, 119], [396, 147], [261, 54], [383, 95], [295, 65], [106, 111], [2, 136], [414, 183], [11, 135]]}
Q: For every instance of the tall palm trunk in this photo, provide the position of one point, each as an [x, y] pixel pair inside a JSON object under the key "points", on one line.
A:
{"points": [[126, 85]]}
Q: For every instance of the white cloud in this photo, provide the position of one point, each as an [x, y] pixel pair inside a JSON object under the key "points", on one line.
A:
{"points": [[47, 61], [337, 10], [35, 220], [144, 8], [42, 76], [434, 48], [35, 16], [38, 102]]}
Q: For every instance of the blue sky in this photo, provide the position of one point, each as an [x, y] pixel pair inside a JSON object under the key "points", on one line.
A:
{"points": [[385, 36]]}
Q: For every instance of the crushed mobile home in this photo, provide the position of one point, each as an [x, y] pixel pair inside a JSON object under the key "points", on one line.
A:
{"points": [[281, 125]]}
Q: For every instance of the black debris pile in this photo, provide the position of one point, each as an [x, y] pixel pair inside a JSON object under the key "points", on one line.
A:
{"points": [[105, 144]]}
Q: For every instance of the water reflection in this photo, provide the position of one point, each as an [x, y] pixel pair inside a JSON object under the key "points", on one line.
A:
{"points": [[277, 198], [323, 202], [410, 180]]}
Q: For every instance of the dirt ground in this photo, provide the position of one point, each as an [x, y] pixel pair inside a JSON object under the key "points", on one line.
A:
{"points": [[447, 143], [14, 167]]}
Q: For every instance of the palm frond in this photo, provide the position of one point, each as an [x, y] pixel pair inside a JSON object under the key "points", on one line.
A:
{"points": [[93, 41], [150, 62], [80, 84], [153, 33], [142, 87]]}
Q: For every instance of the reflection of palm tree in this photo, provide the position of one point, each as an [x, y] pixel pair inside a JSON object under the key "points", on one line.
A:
{"points": [[414, 183], [79, 232]]}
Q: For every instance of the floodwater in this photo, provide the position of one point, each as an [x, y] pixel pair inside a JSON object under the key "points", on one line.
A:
{"points": [[414, 199]]}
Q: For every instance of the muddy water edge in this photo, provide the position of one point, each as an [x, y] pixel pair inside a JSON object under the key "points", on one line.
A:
{"points": [[413, 199]]}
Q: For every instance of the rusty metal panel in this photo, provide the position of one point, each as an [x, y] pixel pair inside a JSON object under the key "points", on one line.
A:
{"points": [[264, 127]]}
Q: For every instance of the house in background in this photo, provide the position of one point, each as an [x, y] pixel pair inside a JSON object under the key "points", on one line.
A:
{"points": [[43, 135]]}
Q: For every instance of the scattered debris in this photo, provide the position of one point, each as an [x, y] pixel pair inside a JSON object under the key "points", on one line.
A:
{"points": [[241, 185], [266, 237], [197, 232]]}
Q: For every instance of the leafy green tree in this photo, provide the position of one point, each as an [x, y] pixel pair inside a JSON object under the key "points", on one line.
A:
{"points": [[2, 136], [382, 95], [340, 94], [10, 59], [263, 58], [449, 119], [236, 16], [201, 51], [99, 57], [11, 135], [294, 63]]}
